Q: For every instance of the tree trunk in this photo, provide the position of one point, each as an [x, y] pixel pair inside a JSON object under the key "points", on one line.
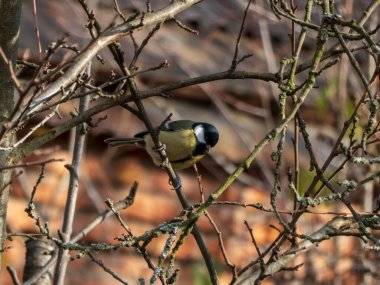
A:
{"points": [[10, 13], [38, 254]]}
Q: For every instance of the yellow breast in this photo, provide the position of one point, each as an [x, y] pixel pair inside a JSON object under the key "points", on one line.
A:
{"points": [[180, 146]]}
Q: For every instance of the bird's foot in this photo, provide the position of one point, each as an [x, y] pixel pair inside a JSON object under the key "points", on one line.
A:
{"points": [[160, 148]]}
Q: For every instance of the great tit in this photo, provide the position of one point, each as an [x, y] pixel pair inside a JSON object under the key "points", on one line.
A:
{"points": [[186, 142]]}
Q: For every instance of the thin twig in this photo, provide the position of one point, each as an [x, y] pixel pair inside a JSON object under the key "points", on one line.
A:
{"points": [[218, 232], [39, 125], [235, 60], [143, 45], [12, 272], [110, 204], [36, 28], [118, 11], [186, 28], [10, 182], [261, 259], [13, 76], [353, 61], [106, 269]]}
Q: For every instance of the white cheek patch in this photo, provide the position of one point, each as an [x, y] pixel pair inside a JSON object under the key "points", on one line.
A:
{"points": [[200, 134]]}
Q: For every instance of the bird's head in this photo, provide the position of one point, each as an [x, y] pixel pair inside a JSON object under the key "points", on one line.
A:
{"points": [[207, 135]]}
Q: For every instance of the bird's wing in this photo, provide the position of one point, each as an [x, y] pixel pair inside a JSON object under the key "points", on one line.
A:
{"points": [[179, 144], [125, 141], [172, 126], [179, 125]]}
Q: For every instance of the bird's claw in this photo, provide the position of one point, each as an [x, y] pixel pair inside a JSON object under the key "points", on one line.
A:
{"points": [[160, 148]]}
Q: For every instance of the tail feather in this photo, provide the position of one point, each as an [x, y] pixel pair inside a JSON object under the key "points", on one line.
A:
{"points": [[115, 142]]}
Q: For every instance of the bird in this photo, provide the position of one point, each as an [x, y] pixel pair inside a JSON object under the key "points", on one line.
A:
{"points": [[186, 142]]}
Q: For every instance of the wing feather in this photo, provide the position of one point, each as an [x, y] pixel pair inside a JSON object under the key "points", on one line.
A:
{"points": [[179, 125]]}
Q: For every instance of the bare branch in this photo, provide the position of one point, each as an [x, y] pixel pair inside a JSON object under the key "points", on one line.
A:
{"points": [[235, 60], [337, 226], [108, 37], [106, 269], [33, 163]]}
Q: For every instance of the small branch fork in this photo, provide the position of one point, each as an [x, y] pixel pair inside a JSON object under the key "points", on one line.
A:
{"points": [[123, 204], [337, 226], [235, 60]]}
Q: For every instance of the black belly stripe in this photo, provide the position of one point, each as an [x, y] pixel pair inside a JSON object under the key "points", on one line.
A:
{"points": [[200, 149]]}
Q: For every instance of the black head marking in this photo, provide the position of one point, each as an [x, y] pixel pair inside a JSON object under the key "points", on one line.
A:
{"points": [[207, 136], [212, 134]]}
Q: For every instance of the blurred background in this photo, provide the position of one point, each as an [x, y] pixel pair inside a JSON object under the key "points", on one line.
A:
{"points": [[243, 111]]}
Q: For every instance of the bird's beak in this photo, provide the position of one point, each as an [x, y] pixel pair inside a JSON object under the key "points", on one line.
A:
{"points": [[208, 148]]}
